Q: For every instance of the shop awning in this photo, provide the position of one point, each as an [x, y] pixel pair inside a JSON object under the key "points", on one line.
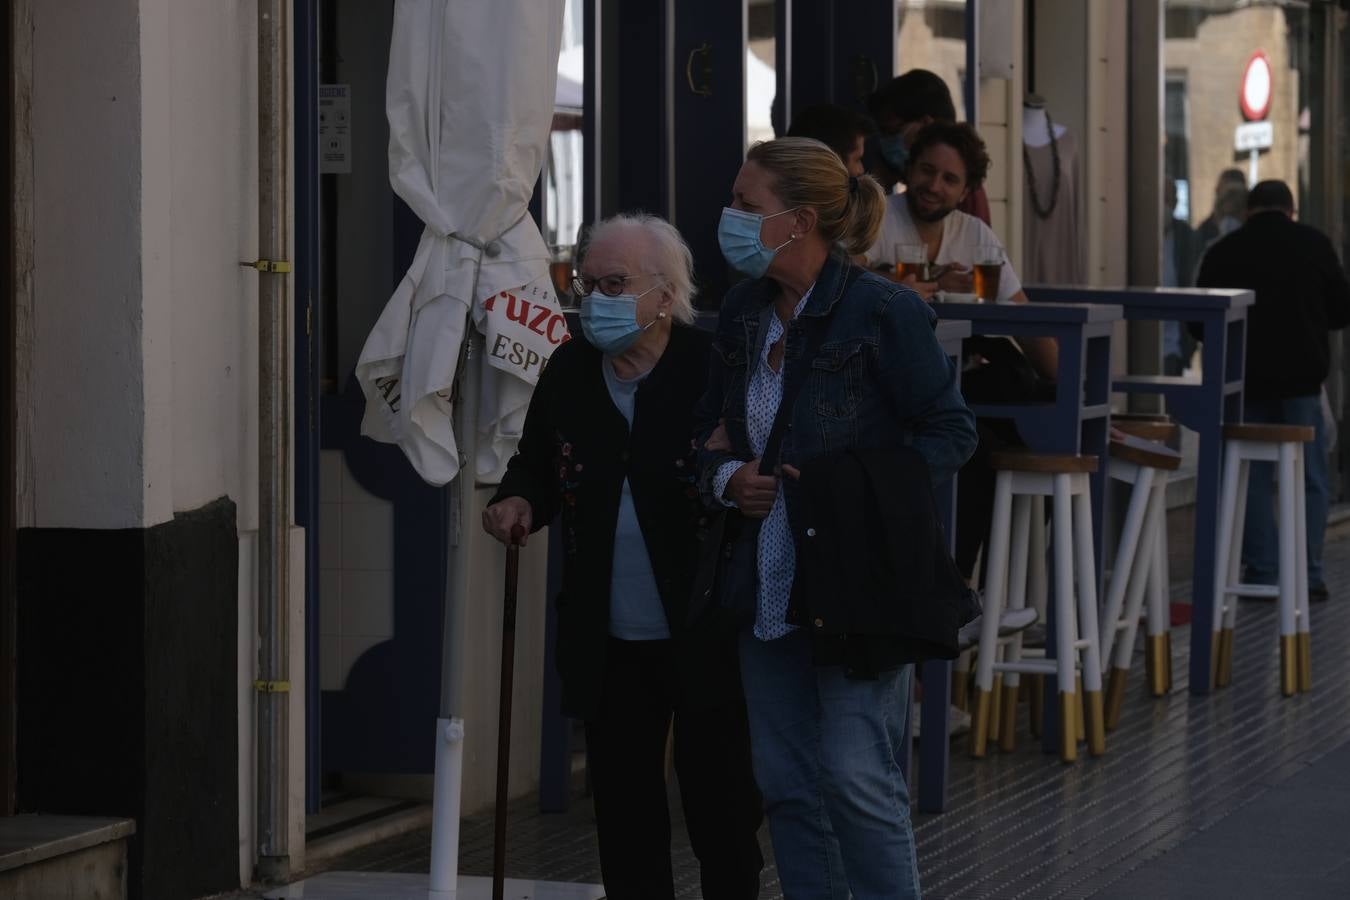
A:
{"points": [[470, 97]]}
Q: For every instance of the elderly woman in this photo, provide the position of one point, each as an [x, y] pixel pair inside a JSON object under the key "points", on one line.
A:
{"points": [[826, 707], [608, 443]]}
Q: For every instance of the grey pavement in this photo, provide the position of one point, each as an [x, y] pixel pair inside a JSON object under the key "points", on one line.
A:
{"points": [[1240, 794], [1292, 841]]}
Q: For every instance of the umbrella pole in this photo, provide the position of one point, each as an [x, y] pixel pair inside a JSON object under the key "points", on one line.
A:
{"points": [[504, 711], [446, 792]]}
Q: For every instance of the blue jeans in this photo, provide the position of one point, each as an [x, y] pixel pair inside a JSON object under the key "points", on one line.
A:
{"points": [[1260, 541], [824, 750]]}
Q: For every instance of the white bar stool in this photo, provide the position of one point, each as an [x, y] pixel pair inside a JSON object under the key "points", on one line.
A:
{"points": [[1140, 565], [1023, 476], [1282, 445]]}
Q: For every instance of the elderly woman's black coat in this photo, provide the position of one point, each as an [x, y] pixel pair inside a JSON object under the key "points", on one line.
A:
{"points": [[574, 454]]}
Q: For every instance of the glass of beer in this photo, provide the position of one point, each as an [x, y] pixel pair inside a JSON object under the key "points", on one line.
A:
{"points": [[911, 259], [988, 268], [560, 270]]}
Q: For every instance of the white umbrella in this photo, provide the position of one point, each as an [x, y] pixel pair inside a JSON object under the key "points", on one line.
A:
{"points": [[470, 98]]}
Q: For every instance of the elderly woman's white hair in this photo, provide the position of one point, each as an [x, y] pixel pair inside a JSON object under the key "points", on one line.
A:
{"points": [[670, 255]]}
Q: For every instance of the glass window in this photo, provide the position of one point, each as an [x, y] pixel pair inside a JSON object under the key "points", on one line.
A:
{"points": [[761, 80], [564, 182], [1241, 103], [1217, 148], [932, 35]]}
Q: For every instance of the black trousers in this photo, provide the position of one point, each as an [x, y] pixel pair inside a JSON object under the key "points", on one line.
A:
{"points": [[626, 752]]}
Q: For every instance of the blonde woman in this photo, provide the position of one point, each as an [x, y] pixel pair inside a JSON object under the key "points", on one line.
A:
{"points": [[815, 357]]}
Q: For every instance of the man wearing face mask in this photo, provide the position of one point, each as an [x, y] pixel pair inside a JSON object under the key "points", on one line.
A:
{"points": [[900, 108], [607, 446]]}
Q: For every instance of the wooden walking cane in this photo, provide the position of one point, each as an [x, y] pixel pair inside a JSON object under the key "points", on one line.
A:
{"points": [[504, 709]]}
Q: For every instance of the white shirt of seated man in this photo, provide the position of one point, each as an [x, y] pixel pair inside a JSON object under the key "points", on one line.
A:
{"points": [[939, 177], [962, 235]]}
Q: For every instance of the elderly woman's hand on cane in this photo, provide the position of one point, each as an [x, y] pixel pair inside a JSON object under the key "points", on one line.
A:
{"points": [[502, 519]]}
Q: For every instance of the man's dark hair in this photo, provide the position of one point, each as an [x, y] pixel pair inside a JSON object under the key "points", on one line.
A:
{"points": [[913, 95], [837, 127], [965, 140], [1271, 195]]}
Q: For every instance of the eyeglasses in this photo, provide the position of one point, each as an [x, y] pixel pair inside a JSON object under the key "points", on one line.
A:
{"points": [[609, 285]]}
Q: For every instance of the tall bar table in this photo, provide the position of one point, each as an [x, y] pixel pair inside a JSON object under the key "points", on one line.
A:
{"points": [[1076, 421], [1202, 404]]}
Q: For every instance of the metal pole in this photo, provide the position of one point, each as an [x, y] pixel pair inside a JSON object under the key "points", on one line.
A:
{"points": [[447, 779], [272, 687]]}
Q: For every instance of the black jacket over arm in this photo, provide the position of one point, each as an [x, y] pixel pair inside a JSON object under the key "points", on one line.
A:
{"points": [[1301, 294], [573, 457]]}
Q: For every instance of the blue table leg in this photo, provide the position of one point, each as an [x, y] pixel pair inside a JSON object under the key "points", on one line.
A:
{"points": [[934, 747], [1206, 537], [1207, 419]]}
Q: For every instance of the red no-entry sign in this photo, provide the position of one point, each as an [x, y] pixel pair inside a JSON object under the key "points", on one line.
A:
{"points": [[1255, 93]]}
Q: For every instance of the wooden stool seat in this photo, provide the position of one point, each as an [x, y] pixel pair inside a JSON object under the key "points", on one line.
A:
{"points": [[1268, 433], [1140, 417], [1146, 453], [1149, 431], [1043, 463]]}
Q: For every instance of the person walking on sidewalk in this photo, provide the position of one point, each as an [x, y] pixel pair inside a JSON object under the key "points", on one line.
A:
{"points": [[852, 362], [608, 446], [1301, 296]]}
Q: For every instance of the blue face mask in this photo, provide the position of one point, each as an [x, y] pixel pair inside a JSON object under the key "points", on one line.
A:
{"points": [[738, 236], [610, 323], [894, 152]]}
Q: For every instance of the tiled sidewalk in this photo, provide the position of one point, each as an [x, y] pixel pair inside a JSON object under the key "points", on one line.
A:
{"points": [[1168, 812]]}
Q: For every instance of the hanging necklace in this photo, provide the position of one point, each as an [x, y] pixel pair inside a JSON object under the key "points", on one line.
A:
{"points": [[1043, 211]]}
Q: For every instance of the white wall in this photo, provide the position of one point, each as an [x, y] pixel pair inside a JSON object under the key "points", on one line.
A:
{"points": [[141, 397], [88, 392], [209, 126], [144, 151]]}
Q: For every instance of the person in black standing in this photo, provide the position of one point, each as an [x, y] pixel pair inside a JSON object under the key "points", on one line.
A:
{"points": [[608, 444], [1301, 296]]}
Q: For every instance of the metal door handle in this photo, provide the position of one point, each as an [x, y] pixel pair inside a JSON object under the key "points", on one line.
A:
{"points": [[703, 55], [865, 77]]}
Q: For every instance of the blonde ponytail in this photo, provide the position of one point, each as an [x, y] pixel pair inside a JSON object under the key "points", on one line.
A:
{"points": [[808, 173], [862, 220]]}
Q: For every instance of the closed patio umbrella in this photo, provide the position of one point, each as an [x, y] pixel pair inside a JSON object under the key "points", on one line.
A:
{"points": [[469, 97], [449, 368]]}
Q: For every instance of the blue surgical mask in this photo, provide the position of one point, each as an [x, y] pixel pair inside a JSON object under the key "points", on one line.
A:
{"points": [[738, 236], [894, 152], [610, 323]]}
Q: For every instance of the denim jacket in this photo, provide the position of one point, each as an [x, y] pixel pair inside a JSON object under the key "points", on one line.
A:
{"points": [[879, 380]]}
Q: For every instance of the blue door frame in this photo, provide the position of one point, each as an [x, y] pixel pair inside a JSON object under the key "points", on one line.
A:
{"points": [[306, 331]]}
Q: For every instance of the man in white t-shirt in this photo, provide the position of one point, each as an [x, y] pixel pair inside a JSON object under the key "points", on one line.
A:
{"points": [[947, 161]]}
